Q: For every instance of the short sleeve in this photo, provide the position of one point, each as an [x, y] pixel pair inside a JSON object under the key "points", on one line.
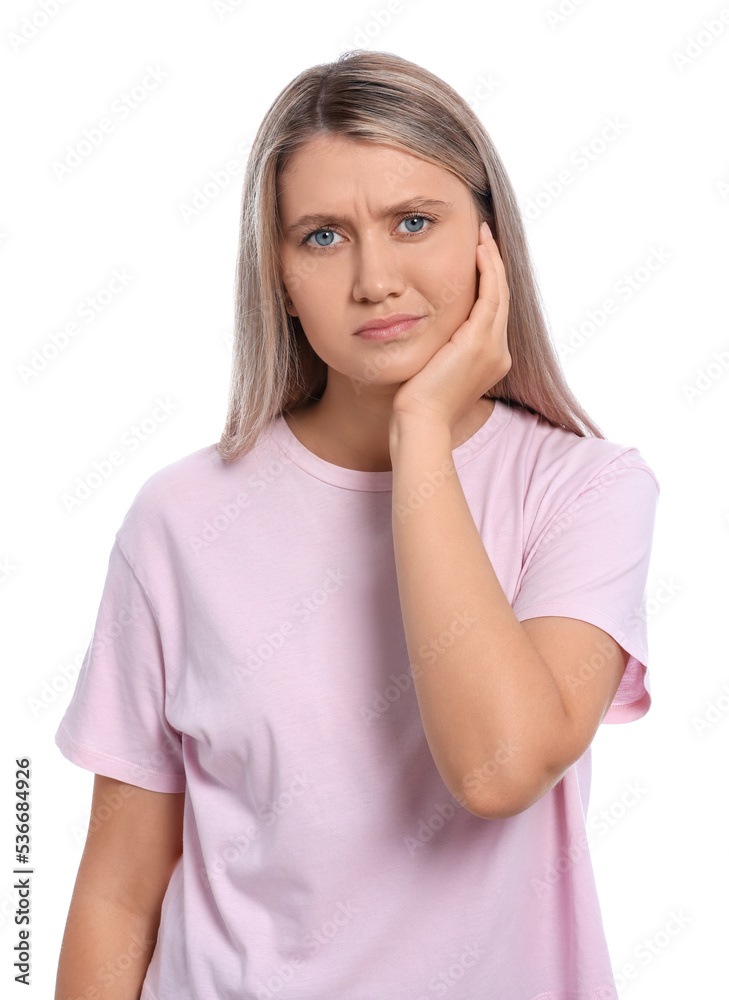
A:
{"points": [[115, 723], [591, 562]]}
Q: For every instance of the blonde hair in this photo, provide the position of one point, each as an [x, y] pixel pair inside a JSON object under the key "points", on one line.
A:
{"points": [[382, 98]]}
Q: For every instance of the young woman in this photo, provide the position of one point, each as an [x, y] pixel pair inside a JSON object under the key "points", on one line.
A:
{"points": [[349, 660]]}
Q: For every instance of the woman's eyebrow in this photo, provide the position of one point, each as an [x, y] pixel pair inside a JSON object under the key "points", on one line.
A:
{"points": [[305, 221]]}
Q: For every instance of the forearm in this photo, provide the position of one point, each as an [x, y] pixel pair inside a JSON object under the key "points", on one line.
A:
{"points": [[488, 701], [106, 950]]}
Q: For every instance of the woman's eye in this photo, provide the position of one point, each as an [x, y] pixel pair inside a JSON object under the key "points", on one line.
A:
{"points": [[325, 237], [329, 235], [416, 219]]}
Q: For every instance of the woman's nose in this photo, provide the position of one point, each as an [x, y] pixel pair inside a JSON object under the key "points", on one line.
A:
{"points": [[377, 271]]}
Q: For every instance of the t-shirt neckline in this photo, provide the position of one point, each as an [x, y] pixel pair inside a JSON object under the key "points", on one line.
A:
{"points": [[370, 481]]}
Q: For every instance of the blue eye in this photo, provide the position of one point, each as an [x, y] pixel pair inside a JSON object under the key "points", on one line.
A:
{"points": [[326, 232], [415, 218], [329, 232]]}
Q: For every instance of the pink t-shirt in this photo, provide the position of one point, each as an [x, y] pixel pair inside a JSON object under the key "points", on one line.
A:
{"points": [[249, 650]]}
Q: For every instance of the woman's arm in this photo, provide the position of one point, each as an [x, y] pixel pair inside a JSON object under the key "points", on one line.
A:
{"points": [[113, 919], [503, 705]]}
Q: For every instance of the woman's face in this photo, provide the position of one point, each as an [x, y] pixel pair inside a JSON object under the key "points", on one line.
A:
{"points": [[363, 258]]}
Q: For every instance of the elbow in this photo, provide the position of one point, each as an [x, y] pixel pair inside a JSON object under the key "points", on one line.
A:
{"points": [[497, 787], [508, 799], [495, 804], [497, 809]]}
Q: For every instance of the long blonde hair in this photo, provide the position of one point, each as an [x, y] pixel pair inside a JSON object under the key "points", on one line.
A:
{"points": [[377, 97]]}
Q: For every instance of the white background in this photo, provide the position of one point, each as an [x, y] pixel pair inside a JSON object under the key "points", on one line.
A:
{"points": [[544, 84]]}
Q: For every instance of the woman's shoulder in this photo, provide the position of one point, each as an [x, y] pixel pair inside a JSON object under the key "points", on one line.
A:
{"points": [[172, 500], [178, 479], [556, 453]]}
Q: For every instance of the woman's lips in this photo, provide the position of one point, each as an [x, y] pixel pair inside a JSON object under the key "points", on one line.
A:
{"points": [[388, 332]]}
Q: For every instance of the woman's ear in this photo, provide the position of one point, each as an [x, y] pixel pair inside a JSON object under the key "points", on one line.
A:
{"points": [[289, 304]]}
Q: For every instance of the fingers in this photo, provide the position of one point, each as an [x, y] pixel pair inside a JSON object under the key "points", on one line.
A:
{"points": [[493, 258], [493, 290]]}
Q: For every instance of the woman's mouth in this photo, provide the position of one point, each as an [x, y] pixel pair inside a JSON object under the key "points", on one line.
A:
{"points": [[388, 332]]}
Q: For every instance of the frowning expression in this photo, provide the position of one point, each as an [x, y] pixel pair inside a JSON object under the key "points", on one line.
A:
{"points": [[369, 231]]}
